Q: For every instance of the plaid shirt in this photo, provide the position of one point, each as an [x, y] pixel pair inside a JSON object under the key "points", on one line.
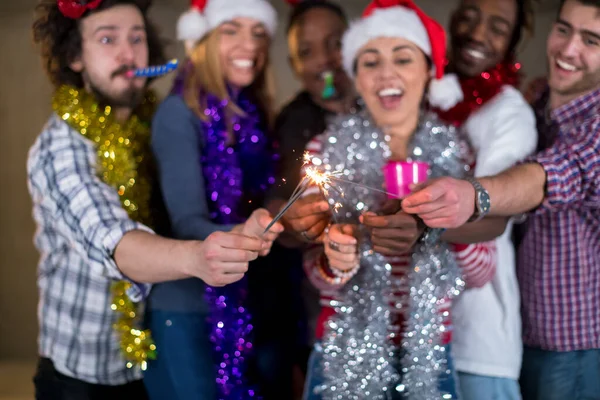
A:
{"points": [[559, 257], [80, 221]]}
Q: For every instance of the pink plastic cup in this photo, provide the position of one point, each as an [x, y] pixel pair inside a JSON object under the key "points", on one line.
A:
{"points": [[400, 175]]}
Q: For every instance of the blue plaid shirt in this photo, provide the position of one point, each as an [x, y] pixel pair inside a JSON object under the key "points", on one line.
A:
{"points": [[80, 221]]}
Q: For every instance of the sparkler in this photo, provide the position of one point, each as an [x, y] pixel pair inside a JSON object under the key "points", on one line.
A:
{"points": [[312, 177], [324, 181]]}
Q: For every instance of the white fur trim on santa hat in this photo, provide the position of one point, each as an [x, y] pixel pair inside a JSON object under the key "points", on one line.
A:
{"points": [[191, 25], [386, 22], [445, 93], [219, 11]]}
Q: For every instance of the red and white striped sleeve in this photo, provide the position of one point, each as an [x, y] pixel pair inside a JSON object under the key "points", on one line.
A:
{"points": [[477, 261], [316, 266], [314, 147]]}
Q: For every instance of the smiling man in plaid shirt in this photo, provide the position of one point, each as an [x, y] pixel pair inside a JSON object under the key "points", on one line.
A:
{"points": [[87, 240], [559, 258]]}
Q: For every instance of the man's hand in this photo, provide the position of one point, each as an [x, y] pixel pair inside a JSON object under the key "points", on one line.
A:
{"points": [[223, 257], [442, 203], [255, 226], [395, 232], [341, 247], [307, 218]]}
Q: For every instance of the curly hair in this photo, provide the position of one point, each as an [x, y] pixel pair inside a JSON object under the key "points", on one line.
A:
{"points": [[301, 9], [593, 3], [59, 38]]}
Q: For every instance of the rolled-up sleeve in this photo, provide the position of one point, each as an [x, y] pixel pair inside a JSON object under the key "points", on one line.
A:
{"points": [[88, 212], [572, 166]]}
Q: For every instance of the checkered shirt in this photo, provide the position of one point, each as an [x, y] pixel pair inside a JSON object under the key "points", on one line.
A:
{"points": [[80, 221], [559, 258]]}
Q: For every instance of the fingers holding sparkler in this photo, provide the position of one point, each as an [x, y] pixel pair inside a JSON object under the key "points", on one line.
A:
{"points": [[307, 217], [260, 225], [295, 196]]}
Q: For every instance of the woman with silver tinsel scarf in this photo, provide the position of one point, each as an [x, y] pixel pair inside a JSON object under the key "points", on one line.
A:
{"points": [[387, 282]]}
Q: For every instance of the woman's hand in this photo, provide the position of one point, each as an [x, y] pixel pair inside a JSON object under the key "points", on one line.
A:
{"points": [[341, 247], [393, 232], [307, 218]]}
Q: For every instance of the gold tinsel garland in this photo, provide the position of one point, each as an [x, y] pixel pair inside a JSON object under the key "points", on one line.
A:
{"points": [[122, 151]]}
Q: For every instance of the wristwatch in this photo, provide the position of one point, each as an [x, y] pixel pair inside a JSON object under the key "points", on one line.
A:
{"points": [[482, 200]]}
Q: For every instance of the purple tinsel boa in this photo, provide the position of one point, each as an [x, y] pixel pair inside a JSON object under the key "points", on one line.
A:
{"points": [[237, 174]]}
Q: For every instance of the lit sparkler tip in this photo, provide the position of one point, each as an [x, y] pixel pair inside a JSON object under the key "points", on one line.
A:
{"points": [[307, 158], [318, 178]]}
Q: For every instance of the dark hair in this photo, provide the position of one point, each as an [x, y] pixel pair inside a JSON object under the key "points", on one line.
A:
{"points": [[524, 25], [593, 3], [59, 38], [306, 5]]}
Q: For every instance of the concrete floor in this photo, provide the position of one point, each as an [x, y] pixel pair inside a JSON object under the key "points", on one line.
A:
{"points": [[15, 380]]}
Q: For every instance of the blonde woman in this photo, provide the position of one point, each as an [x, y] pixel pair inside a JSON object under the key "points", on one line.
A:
{"points": [[214, 161]]}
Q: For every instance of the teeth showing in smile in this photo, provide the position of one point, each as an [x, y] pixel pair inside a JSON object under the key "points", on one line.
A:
{"points": [[476, 54], [389, 92], [565, 66], [241, 63]]}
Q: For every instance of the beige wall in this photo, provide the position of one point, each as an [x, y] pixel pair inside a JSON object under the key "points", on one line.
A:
{"points": [[24, 106]]}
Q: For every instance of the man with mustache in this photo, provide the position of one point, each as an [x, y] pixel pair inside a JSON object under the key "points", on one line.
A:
{"points": [[90, 178], [559, 188]]}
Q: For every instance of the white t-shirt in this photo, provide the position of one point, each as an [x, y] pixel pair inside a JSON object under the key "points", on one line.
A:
{"points": [[487, 323]]}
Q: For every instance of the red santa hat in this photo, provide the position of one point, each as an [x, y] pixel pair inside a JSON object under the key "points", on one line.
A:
{"points": [[205, 15], [402, 18]]}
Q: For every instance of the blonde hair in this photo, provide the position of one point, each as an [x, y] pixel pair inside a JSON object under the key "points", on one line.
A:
{"points": [[206, 77]]}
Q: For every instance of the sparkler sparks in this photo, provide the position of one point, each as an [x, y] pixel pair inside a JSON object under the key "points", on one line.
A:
{"points": [[312, 177], [323, 180]]}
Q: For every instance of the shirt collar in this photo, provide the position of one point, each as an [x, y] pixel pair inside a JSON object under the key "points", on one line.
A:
{"points": [[579, 107]]}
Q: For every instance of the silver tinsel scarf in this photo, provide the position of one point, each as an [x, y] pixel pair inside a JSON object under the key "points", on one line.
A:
{"points": [[360, 360]]}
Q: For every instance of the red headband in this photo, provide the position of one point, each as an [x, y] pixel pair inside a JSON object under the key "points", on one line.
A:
{"points": [[75, 9]]}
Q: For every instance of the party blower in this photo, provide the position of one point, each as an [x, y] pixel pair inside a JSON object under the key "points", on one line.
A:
{"points": [[154, 71], [329, 90]]}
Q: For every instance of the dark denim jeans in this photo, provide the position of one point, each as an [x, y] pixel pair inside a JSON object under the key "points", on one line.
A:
{"points": [[52, 385], [553, 375], [184, 367]]}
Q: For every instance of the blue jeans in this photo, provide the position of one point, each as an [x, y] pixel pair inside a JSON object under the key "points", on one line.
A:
{"points": [[480, 387], [184, 367], [552, 375], [314, 377]]}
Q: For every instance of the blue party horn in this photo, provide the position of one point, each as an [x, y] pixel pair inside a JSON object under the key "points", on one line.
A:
{"points": [[158, 70]]}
